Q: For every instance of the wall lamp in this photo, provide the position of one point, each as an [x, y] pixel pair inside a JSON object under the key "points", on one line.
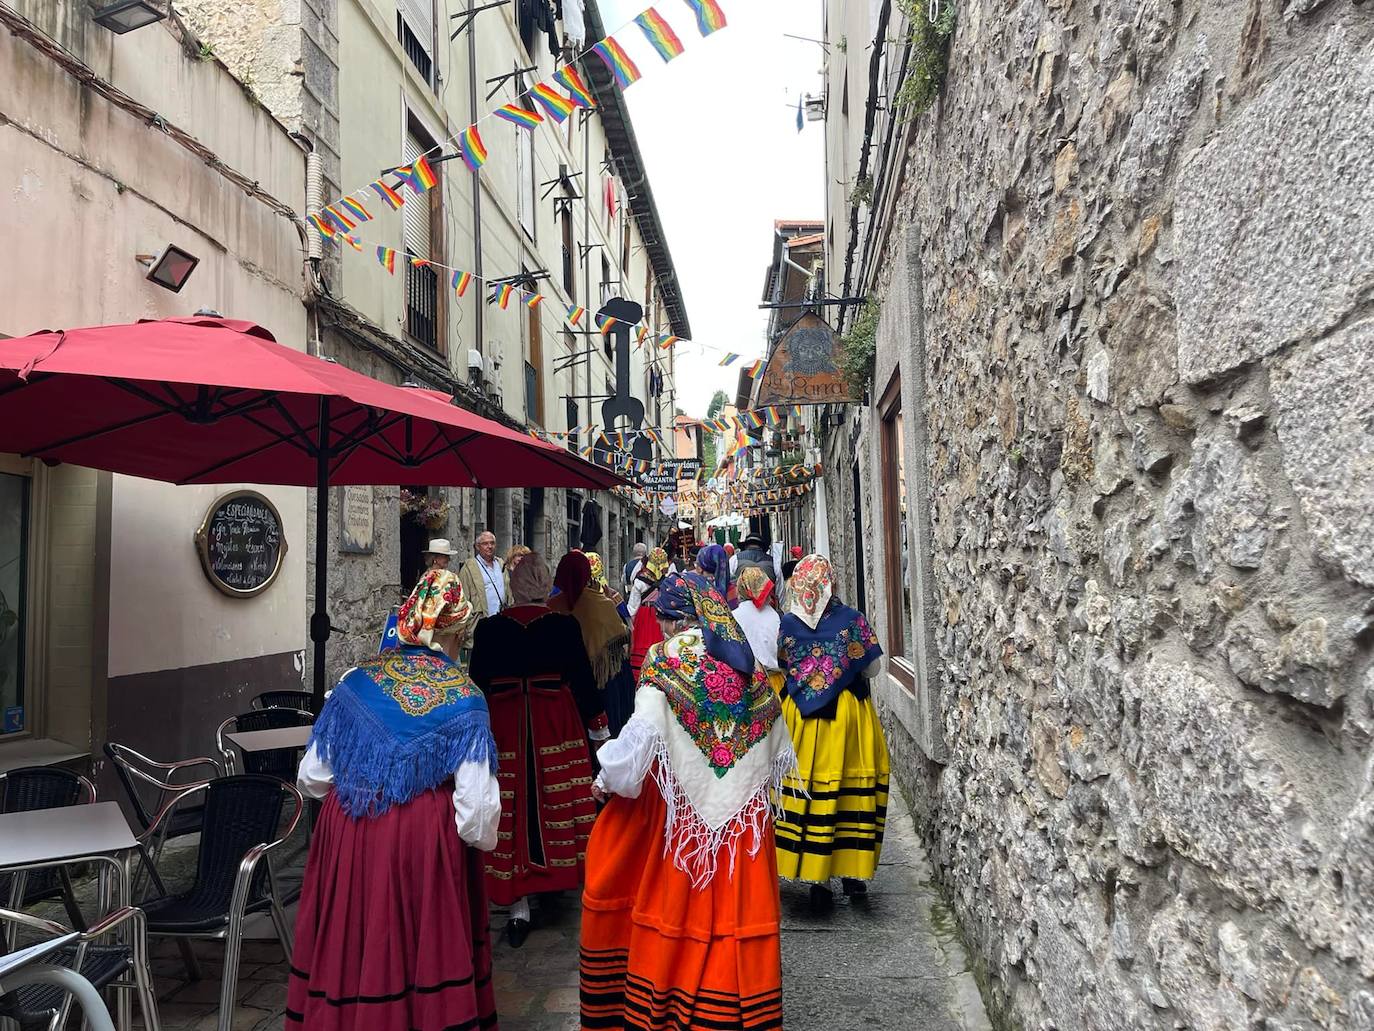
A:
{"points": [[126, 15], [170, 267]]}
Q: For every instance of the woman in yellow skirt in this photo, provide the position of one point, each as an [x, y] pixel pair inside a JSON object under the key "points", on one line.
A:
{"points": [[835, 811]]}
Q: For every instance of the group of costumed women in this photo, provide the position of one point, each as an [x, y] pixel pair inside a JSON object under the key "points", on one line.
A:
{"points": [[745, 749]]}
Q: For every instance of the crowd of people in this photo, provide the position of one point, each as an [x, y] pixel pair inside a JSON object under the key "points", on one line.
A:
{"points": [[674, 745]]}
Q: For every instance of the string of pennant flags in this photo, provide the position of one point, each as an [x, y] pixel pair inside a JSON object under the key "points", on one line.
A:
{"points": [[554, 101]]}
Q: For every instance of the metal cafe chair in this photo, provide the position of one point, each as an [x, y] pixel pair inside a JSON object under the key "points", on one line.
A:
{"points": [[148, 784], [42, 787], [273, 762], [242, 814], [303, 700], [44, 1007]]}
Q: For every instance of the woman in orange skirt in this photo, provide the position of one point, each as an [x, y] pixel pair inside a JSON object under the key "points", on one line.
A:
{"points": [[680, 911]]}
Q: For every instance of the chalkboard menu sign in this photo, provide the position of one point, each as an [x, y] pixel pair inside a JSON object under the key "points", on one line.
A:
{"points": [[241, 543]]}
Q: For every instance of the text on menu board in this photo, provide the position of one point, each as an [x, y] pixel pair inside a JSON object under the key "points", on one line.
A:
{"points": [[241, 543]]}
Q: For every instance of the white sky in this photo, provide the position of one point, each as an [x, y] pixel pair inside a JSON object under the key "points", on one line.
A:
{"points": [[717, 128]]}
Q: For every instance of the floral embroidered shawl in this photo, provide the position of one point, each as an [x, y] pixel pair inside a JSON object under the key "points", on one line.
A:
{"points": [[399, 724], [722, 745], [821, 662]]}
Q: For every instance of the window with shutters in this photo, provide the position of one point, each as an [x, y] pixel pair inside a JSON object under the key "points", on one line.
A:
{"points": [[422, 226], [415, 30], [625, 248], [896, 549], [607, 292], [525, 173]]}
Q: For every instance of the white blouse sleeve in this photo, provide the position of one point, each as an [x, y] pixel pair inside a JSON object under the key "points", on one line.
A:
{"points": [[625, 761], [636, 597], [477, 805], [314, 778]]}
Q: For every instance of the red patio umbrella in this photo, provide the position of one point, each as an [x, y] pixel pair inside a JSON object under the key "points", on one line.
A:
{"points": [[215, 400]]}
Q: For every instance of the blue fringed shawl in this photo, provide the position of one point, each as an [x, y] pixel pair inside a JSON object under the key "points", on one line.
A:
{"points": [[400, 724], [821, 663]]}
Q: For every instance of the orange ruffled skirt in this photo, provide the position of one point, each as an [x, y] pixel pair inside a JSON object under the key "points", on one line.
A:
{"points": [[660, 955]]}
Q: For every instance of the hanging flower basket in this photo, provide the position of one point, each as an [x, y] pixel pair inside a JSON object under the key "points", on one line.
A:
{"points": [[431, 513]]}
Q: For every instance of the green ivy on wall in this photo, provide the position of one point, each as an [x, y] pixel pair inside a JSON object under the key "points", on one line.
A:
{"points": [[929, 56], [861, 348]]}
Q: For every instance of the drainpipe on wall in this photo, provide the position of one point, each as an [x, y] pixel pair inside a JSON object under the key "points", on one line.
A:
{"points": [[476, 179], [314, 247]]}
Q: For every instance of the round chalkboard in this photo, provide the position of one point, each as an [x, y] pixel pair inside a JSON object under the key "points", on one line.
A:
{"points": [[241, 543]]}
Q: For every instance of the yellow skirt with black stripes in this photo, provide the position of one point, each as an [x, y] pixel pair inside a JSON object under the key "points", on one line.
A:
{"points": [[835, 813]]}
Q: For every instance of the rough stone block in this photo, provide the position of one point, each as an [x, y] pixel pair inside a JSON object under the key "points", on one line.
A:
{"points": [[1325, 396], [1274, 220]]}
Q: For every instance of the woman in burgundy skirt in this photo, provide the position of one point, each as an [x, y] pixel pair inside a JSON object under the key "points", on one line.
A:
{"points": [[392, 929]]}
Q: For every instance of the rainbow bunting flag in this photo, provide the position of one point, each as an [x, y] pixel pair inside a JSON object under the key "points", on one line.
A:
{"points": [[796, 410], [532, 300], [569, 78], [605, 323], [613, 54], [420, 175], [660, 34], [520, 116], [501, 294], [354, 242], [460, 282], [667, 340], [356, 209], [729, 358], [471, 148], [418, 262], [390, 197], [557, 106], [387, 257], [575, 314], [755, 418], [709, 15], [642, 335], [755, 369], [338, 218], [325, 229]]}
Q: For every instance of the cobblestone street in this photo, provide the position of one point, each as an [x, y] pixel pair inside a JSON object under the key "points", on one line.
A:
{"points": [[890, 962]]}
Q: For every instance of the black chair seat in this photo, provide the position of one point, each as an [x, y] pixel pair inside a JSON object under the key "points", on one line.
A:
{"points": [[32, 1004], [194, 912]]}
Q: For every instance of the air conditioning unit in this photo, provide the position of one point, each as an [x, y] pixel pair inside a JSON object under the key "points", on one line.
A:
{"points": [[475, 365]]}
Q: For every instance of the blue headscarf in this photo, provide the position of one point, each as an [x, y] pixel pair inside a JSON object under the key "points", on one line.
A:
{"points": [[692, 596], [715, 563]]}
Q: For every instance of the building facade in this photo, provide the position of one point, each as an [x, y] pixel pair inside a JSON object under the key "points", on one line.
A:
{"points": [[1111, 489], [109, 629], [565, 211]]}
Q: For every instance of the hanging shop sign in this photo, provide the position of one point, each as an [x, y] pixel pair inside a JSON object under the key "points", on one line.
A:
{"points": [[663, 477], [241, 543], [805, 367]]}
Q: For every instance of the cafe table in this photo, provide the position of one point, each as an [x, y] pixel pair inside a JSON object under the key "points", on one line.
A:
{"points": [[268, 740], [70, 835], [28, 966]]}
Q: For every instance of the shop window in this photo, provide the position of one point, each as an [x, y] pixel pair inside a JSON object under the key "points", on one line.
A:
{"points": [[896, 537], [14, 551]]}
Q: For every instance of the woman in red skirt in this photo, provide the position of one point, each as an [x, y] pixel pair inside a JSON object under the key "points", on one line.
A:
{"points": [[530, 663], [680, 915], [392, 929], [644, 628]]}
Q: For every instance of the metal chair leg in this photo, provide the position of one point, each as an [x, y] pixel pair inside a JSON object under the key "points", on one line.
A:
{"points": [[143, 978], [228, 989], [188, 959], [283, 927], [74, 915]]}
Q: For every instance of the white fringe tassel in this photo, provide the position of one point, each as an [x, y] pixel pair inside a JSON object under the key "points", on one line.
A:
{"points": [[693, 844]]}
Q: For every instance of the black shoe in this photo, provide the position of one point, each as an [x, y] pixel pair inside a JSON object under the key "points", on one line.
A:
{"points": [[854, 888], [822, 899], [516, 932]]}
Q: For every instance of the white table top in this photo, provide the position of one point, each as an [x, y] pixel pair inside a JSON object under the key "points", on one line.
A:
{"points": [[17, 961], [50, 835], [263, 740]]}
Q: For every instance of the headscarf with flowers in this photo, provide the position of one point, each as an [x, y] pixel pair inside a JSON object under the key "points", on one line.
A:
{"points": [[823, 645], [716, 726], [656, 565], [715, 563], [402, 721], [437, 604], [598, 569], [812, 583], [754, 585]]}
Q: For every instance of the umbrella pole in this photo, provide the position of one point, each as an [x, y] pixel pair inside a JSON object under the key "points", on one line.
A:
{"points": [[319, 620]]}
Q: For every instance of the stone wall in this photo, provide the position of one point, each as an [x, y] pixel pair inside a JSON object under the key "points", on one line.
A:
{"points": [[1145, 330]]}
